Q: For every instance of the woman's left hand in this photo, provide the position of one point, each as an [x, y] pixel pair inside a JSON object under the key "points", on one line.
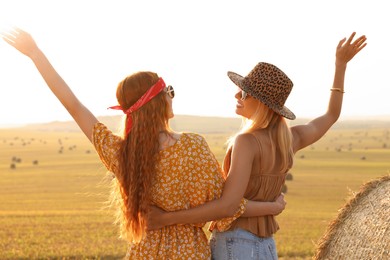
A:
{"points": [[281, 204], [346, 49]]}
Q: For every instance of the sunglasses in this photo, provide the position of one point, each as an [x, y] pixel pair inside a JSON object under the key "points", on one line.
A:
{"points": [[244, 95], [170, 92]]}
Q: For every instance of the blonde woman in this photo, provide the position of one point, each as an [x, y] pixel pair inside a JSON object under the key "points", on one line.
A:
{"points": [[152, 164], [260, 155]]}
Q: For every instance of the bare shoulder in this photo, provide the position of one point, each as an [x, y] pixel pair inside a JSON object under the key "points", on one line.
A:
{"points": [[245, 141], [244, 148], [245, 137]]}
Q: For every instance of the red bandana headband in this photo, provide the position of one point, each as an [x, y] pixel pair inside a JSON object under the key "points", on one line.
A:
{"points": [[151, 93]]}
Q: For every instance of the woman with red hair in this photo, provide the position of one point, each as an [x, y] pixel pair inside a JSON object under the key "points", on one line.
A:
{"points": [[152, 164]]}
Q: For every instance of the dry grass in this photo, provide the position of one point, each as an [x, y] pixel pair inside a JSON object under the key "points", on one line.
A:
{"points": [[54, 209]]}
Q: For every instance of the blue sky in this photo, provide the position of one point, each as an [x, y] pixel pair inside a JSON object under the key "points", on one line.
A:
{"points": [[192, 44]]}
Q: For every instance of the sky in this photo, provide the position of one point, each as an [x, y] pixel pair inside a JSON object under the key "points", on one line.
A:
{"points": [[94, 44]]}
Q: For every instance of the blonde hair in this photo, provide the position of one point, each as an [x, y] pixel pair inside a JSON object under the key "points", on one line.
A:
{"points": [[138, 154], [279, 134]]}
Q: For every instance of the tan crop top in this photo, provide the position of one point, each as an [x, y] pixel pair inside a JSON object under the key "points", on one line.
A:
{"points": [[265, 184]]}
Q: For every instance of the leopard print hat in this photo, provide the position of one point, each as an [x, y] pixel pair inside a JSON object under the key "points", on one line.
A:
{"points": [[269, 84]]}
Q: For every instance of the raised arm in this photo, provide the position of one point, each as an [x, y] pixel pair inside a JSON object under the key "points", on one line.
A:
{"points": [[305, 135], [24, 43], [233, 192]]}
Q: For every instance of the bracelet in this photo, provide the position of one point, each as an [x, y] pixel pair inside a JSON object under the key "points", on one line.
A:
{"points": [[337, 89]]}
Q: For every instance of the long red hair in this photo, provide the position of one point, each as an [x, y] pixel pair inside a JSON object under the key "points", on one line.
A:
{"points": [[138, 153]]}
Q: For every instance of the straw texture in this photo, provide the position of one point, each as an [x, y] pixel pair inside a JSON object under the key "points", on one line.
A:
{"points": [[362, 228]]}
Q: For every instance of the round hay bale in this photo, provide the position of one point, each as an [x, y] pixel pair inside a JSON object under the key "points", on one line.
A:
{"points": [[362, 228]]}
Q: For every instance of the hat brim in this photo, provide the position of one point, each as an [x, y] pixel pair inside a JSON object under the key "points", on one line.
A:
{"points": [[238, 80]]}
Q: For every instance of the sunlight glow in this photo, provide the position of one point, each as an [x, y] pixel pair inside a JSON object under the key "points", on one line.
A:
{"points": [[94, 44]]}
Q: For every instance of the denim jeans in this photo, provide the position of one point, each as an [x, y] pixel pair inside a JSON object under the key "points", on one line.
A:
{"points": [[240, 244]]}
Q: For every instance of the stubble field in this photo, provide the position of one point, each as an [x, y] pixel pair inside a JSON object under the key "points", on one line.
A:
{"points": [[53, 192]]}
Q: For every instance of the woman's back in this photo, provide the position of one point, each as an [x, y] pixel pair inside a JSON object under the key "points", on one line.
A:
{"points": [[187, 175], [265, 184]]}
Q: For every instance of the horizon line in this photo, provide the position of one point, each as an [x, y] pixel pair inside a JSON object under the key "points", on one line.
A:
{"points": [[342, 118]]}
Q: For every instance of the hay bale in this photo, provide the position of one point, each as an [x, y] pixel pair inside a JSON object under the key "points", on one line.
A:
{"points": [[362, 228]]}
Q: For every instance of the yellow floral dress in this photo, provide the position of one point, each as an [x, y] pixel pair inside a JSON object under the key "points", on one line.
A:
{"points": [[187, 175]]}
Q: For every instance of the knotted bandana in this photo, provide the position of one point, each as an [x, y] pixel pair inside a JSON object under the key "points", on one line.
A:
{"points": [[151, 93]]}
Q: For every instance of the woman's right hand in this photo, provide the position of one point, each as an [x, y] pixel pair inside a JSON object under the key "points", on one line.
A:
{"points": [[156, 218], [24, 43], [20, 40]]}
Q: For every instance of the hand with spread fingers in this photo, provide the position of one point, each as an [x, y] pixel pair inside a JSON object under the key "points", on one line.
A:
{"points": [[346, 49], [20, 40]]}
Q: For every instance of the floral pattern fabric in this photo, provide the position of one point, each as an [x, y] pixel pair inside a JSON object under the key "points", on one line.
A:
{"points": [[187, 175]]}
